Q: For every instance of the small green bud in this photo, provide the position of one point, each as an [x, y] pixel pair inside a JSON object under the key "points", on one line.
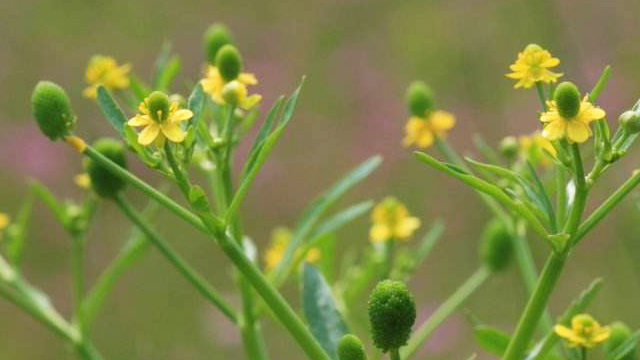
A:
{"points": [[567, 97], [232, 92], [392, 312], [52, 110], [419, 98], [229, 62], [216, 36], [158, 104], [350, 348], [497, 247], [533, 47], [509, 146], [620, 333], [630, 121], [103, 181]]}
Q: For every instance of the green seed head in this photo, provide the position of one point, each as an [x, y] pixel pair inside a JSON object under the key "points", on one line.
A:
{"points": [[630, 121], [392, 312], [620, 333], [509, 146], [567, 97], [229, 62], [496, 248], [350, 348], [216, 36], [419, 98], [103, 181], [158, 104], [52, 110]]}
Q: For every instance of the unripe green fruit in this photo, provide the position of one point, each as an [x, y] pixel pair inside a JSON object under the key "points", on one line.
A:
{"points": [[216, 36], [419, 98], [158, 104], [229, 62], [620, 333], [496, 248], [392, 312], [103, 181], [52, 110], [509, 146], [350, 348], [630, 121], [567, 97]]}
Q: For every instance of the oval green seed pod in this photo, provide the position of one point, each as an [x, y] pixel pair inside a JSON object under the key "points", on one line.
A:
{"points": [[52, 109], [103, 182], [158, 104], [509, 146], [216, 36], [630, 121], [392, 312], [496, 249], [419, 98], [620, 333], [350, 348], [229, 62], [567, 97]]}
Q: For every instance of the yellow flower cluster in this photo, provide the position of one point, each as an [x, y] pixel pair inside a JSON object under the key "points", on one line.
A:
{"points": [[585, 331], [422, 131], [106, 71], [392, 221], [532, 66], [214, 84], [280, 237]]}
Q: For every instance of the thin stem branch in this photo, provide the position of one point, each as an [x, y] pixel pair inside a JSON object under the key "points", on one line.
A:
{"points": [[580, 198], [443, 311]]}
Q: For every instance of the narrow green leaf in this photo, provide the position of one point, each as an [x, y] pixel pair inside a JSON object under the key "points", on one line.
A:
{"points": [[325, 321], [139, 88], [261, 138], [161, 63], [18, 231], [485, 149], [602, 81], [491, 339], [290, 105], [313, 212], [625, 348], [168, 73], [428, 241], [195, 103], [110, 109], [50, 200], [544, 197], [340, 219]]}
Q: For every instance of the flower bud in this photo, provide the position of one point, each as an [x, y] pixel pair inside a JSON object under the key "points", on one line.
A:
{"points": [[216, 36], [103, 181], [496, 248], [509, 146], [392, 312], [233, 91], [630, 121], [229, 62], [158, 103], [620, 333], [567, 97], [52, 110], [419, 98], [350, 348]]}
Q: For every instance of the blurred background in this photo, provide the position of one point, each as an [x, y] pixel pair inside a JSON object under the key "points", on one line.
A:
{"points": [[359, 56]]}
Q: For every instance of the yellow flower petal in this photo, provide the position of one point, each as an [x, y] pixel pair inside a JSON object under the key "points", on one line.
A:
{"points": [[380, 233], [172, 131], [577, 131], [554, 130], [248, 78], [139, 120], [250, 101], [181, 115], [148, 134], [406, 227], [441, 120], [4, 220]]}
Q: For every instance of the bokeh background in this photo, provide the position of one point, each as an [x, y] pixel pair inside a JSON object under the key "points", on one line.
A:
{"points": [[359, 55]]}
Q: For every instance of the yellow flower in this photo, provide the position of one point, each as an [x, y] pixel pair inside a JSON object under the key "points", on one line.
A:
{"points": [[532, 66], [214, 84], [422, 130], [4, 222], [585, 331], [391, 220], [280, 237], [105, 70], [533, 146], [159, 125], [576, 128], [82, 180]]}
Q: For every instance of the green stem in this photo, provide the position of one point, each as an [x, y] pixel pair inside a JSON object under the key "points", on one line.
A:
{"points": [[77, 271], [607, 206], [172, 256], [561, 195], [444, 310], [395, 354], [535, 307], [541, 95], [580, 198]]}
